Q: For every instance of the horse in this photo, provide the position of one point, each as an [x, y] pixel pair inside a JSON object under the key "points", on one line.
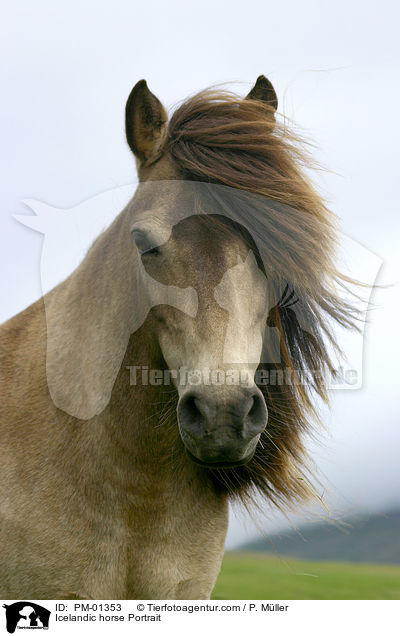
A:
{"points": [[116, 473]]}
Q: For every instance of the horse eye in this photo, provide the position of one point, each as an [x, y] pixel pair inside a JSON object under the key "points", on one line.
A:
{"points": [[144, 243], [153, 250]]}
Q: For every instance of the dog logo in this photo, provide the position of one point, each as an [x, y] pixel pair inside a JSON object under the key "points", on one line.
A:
{"points": [[26, 615]]}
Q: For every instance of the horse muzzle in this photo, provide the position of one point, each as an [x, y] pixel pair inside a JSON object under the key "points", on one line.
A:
{"points": [[221, 426]]}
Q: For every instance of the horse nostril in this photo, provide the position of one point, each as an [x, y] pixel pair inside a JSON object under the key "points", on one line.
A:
{"points": [[193, 414], [190, 406], [252, 406], [257, 411]]}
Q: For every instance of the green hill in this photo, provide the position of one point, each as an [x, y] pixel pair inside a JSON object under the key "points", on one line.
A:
{"points": [[259, 576], [373, 539]]}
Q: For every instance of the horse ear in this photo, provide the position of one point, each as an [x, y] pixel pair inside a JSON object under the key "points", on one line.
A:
{"points": [[264, 92], [145, 124]]}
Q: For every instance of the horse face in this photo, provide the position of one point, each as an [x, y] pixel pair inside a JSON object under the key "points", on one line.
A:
{"points": [[213, 351], [212, 323]]}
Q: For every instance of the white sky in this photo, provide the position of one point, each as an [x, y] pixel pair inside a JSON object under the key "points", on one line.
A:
{"points": [[66, 71]]}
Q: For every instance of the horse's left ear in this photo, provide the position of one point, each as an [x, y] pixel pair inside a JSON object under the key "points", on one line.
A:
{"points": [[264, 92], [146, 124]]}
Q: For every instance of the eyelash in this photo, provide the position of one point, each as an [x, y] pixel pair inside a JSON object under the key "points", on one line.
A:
{"points": [[153, 250]]}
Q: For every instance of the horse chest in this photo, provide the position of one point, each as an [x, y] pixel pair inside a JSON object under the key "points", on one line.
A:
{"points": [[162, 549], [179, 555]]}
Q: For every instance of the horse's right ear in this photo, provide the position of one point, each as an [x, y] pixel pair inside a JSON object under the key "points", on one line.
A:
{"points": [[145, 124], [263, 91]]}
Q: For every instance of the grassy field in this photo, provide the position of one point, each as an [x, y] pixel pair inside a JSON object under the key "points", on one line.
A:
{"points": [[250, 575]]}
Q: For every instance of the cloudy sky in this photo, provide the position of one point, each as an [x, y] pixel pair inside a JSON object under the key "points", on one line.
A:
{"points": [[66, 71]]}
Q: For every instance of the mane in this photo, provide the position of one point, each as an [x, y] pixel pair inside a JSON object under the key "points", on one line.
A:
{"points": [[218, 138]]}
